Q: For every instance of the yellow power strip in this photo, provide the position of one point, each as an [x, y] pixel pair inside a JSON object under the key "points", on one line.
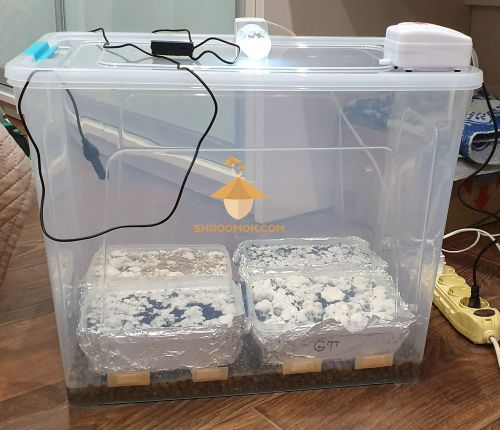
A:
{"points": [[451, 297]]}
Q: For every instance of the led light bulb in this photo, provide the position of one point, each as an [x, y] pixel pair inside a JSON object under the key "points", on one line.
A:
{"points": [[254, 41]]}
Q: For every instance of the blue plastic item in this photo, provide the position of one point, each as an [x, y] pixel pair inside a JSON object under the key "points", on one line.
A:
{"points": [[41, 50]]}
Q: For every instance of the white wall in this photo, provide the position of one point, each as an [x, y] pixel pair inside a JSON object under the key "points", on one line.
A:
{"points": [[24, 21], [200, 16], [485, 32], [21, 23], [363, 17]]}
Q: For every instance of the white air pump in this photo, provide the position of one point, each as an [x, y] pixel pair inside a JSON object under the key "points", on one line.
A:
{"points": [[415, 45]]}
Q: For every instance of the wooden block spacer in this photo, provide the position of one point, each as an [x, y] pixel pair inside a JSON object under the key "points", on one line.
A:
{"points": [[373, 361], [128, 379], [308, 365], [209, 374]]}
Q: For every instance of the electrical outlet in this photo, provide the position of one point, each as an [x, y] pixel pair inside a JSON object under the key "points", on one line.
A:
{"points": [[451, 296]]}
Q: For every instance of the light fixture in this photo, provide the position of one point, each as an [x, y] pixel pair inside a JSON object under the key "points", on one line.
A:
{"points": [[254, 41]]}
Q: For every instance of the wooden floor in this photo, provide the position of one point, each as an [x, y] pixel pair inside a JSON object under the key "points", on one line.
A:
{"points": [[460, 385]]}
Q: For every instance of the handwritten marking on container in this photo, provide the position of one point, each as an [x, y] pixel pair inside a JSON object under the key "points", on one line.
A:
{"points": [[326, 345]]}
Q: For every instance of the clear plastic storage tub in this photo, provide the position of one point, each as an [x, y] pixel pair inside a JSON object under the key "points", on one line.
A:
{"points": [[320, 140]]}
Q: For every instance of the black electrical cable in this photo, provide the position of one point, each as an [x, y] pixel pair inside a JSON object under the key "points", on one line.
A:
{"points": [[95, 30], [478, 258], [196, 58], [169, 30], [178, 65], [90, 151], [180, 30], [484, 220], [484, 164], [6, 85], [474, 300]]}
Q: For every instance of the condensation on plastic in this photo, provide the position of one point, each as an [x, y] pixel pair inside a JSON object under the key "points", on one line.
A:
{"points": [[97, 274], [330, 339], [162, 349], [260, 257]]}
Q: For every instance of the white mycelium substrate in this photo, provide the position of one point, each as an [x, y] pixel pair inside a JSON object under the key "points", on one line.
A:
{"points": [[308, 292], [161, 309], [162, 262], [304, 255], [296, 300]]}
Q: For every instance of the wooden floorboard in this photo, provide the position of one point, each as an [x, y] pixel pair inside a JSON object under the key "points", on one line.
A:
{"points": [[459, 387]]}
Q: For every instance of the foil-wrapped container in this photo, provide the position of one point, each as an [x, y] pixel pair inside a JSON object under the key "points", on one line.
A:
{"points": [[334, 315], [181, 323], [157, 262], [273, 256]]}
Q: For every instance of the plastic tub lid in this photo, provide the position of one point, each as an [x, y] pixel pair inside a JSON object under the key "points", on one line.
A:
{"points": [[294, 63]]}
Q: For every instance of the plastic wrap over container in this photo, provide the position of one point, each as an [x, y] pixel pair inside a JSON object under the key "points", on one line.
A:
{"points": [[179, 324], [334, 315], [156, 262], [296, 255]]}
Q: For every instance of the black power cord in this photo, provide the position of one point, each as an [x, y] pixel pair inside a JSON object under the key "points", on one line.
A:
{"points": [[483, 165], [474, 300], [88, 147], [167, 30], [90, 151], [194, 47], [485, 220]]}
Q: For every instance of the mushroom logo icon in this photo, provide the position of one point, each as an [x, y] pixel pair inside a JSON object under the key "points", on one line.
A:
{"points": [[238, 194]]}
